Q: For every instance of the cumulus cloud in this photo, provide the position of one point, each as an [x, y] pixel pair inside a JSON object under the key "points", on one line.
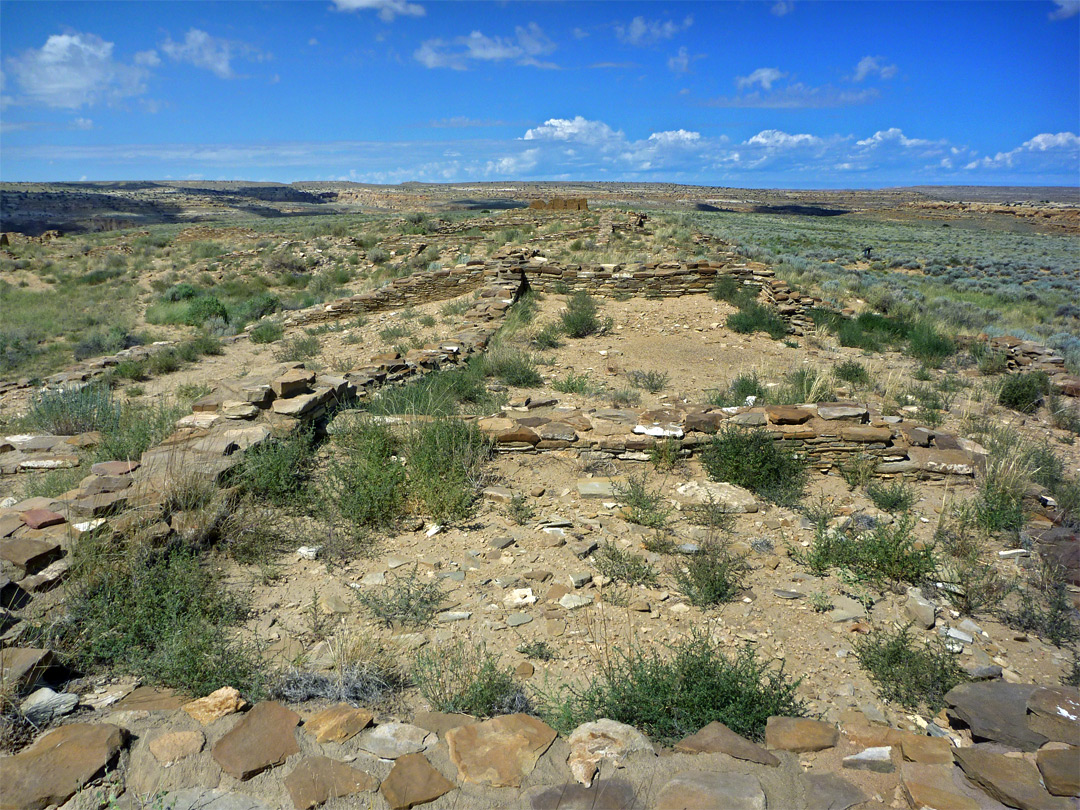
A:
{"points": [[1065, 9], [776, 139], [676, 137], [526, 47], [576, 130], [513, 165], [82, 123], [1047, 147], [147, 58], [765, 77], [207, 52], [782, 7], [893, 135], [641, 32], [873, 66], [388, 10], [73, 70]]}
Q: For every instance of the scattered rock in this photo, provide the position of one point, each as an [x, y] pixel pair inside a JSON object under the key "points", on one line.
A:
{"points": [[217, 704], [877, 759], [996, 711], [499, 752], [931, 787], [1060, 769], [22, 666], [1055, 713], [606, 794], [827, 791], [44, 704]]}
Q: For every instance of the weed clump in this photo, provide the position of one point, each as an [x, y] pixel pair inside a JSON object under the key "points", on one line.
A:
{"points": [[641, 505], [670, 696], [266, 332], [712, 576], [364, 481], [881, 555], [69, 411], [754, 317], [751, 459], [405, 600], [852, 372], [624, 566], [445, 458], [912, 675], [580, 318], [467, 679], [895, 497], [278, 470], [1024, 392]]}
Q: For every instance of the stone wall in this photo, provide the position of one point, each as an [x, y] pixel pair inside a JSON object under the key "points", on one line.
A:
{"points": [[560, 204]]}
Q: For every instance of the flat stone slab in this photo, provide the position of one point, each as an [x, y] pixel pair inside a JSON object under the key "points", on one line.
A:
{"points": [[338, 723], [603, 739], [50, 771], [316, 780], [827, 791], [1055, 712], [1012, 781], [877, 759], [799, 734], [719, 495], [606, 794], [413, 781], [264, 738], [1060, 770], [30, 554], [499, 752], [718, 738], [175, 746], [41, 518], [996, 711], [22, 666], [393, 740], [217, 704], [596, 488], [709, 790]]}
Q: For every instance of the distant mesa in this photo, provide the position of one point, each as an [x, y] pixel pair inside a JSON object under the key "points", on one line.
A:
{"points": [[561, 204]]}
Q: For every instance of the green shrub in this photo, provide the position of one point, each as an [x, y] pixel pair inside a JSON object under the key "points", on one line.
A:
{"points": [[1045, 607], [519, 510], [883, 555], [573, 384], [894, 497], [651, 381], [511, 366], [53, 483], [258, 306], [200, 345], [203, 308], [671, 696], [467, 679], [852, 372], [712, 576], [164, 361], [580, 318], [755, 317], [180, 292], [641, 505], [364, 482], [298, 349], [445, 458], [728, 288], [68, 411], [133, 370], [548, 337], [406, 599], [439, 393], [276, 471], [752, 459], [138, 428], [913, 675], [623, 566], [625, 398], [1024, 392], [267, 333], [929, 346], [161, 616], [858, 470], [111, 341], [741, 388]]}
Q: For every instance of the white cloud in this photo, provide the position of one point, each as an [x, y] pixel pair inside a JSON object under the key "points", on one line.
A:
{"points": [[782, 7], [313, 42], [893, 135], [680, 62], [147, 58], [73, 70], [528, 43], [1036, 151], [579, 33], [765, 77], [775, 139], [576, 129], [873, 65], [641, 32], [82, 123], [797, 96], [209, 52], [387, 9], [1065, 9], [675, 137], [514, 165]]}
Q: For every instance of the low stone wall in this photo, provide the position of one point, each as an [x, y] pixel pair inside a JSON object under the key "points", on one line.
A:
{"points": [[560, 204]]}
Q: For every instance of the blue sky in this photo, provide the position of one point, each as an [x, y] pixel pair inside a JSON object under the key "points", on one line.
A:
{"points": [[781, 93]]}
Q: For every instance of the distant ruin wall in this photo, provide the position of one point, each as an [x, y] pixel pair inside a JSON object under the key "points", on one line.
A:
{"points": [[560, 204]]}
